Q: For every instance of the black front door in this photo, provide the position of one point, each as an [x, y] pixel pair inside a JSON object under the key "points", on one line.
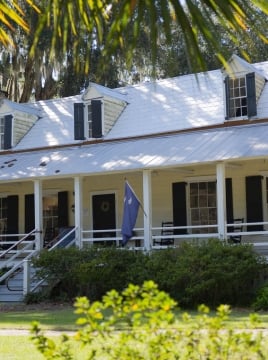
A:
{"points": [[104, 215]]}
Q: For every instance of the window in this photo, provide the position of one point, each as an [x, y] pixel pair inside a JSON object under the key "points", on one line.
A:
{"points": [[88, 124], [3, 216], [89, 119], [2, 131], [203, 208], [240, 96], [50, 216]]}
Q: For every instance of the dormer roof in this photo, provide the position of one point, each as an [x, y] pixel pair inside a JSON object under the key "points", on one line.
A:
{"points": [[238, 66], [95, 91], [7, 106]]}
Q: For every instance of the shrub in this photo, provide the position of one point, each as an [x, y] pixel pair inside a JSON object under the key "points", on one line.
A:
{"points": [[209, 272], [261, 301], [90, 272], [150, 330]]}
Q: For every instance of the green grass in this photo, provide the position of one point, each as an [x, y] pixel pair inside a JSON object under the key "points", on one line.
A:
{"points": [[22, 348], [65, 319], [58, 319], [18, 348]]}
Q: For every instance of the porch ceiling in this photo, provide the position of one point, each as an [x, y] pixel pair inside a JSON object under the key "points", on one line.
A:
{"points": [[231, 143]]}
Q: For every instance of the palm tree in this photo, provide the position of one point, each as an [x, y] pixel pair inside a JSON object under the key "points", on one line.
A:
{"points": [[117, 23]]}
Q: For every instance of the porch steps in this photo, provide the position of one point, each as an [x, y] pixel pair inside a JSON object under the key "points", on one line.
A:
{"points": [[12, 289]]}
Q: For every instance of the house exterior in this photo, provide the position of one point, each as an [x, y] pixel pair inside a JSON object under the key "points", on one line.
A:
{"points": [[194, 149]]}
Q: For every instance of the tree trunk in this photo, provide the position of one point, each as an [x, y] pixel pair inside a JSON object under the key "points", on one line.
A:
{"points": [[29, 81]]}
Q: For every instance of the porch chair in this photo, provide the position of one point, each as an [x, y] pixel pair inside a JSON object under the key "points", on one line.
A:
{"points": [[237, 227], [166, 230]]}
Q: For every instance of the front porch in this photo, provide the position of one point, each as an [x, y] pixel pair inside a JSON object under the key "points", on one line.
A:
{"points": [[200, 200]]}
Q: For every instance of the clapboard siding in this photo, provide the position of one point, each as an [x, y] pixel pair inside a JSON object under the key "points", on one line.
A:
{"points": [[112, 110], [21, 127]]}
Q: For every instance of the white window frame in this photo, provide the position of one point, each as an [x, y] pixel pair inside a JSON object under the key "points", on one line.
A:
{"points": [[87, 127], [2, 132], [199, 180]]}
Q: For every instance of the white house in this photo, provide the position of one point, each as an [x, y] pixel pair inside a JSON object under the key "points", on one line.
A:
{"points": [[194, 148]]}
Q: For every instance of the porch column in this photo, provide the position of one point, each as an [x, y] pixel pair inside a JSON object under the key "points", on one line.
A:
{"points": [[38, 213], [147, 205], [78, 209], [221, 200]]}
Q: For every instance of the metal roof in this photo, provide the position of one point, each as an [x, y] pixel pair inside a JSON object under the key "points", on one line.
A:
{"points": [[231, 143]]}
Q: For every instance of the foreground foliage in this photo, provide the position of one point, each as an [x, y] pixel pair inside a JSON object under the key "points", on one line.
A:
{"points": [[139, 323], [209, 272], [71, 21]]}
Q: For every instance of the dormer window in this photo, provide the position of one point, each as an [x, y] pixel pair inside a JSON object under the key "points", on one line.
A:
{"points": [[240, 96], [6, 132], [2, 131], [94, 112], [88, 120]]}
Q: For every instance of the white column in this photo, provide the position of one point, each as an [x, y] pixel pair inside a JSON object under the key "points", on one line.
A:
{"points": [[26, 277], [78, 209], [38, 213], [221, 200], [147, 205]]}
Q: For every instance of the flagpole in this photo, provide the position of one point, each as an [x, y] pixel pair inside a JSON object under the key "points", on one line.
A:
{"points": [[136, 197]]}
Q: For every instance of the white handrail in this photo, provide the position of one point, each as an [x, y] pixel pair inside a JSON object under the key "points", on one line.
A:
{"points": [[3, 254], [63, 238]]}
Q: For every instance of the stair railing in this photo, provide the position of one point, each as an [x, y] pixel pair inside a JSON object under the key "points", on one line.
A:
{"points": [[19, 265], [6, 252], [61, 240], [15, 267], [58, 243]]}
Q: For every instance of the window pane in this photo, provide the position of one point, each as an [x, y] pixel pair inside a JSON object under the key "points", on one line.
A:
{"points": [[203, 201], [194, 201], [237, 97], [203, 205]]}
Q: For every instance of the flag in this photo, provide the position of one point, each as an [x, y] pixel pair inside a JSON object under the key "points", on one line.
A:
{"points": [[131, 208]]}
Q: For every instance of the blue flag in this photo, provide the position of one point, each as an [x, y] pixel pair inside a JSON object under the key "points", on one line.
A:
{"points": [[131, 208]]}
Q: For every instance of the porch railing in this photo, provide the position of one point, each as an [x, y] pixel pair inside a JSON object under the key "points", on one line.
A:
{"points": [[18, 259], [18, 251], [67, 240], [90, 237], [191, 232]]}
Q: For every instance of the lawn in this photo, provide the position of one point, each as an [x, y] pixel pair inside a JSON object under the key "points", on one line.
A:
{"points": [[63, 318], [52, 317]]}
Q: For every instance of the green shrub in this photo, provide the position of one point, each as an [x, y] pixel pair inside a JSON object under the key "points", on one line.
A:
{"points": [[90, 272], [208, 272], [140, 323], [261, 301]]}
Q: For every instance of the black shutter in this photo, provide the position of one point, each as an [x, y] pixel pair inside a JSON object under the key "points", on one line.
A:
{"points": [[8, 132], [227, 97], [254, 202], [63, 209], [29, 222], [229, 200], [251, 94], [179, 206], [79, 132], [96, 106], [12, 216]]}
